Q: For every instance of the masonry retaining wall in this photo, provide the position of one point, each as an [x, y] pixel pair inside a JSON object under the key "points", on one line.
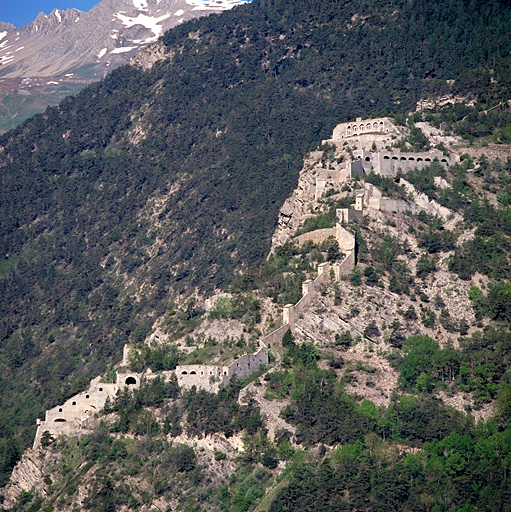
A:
{"points": [[318, 236]]}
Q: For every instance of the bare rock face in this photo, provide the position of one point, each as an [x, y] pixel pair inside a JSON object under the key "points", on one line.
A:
{"points": [[298, 206], [28, 475]]}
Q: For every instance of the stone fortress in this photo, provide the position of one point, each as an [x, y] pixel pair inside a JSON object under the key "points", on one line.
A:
{"points": [[79, 412], [372, 150]]}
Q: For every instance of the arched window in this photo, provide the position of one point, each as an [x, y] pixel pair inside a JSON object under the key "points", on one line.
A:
{"points": [[394, 158], [130, 381], [193, 373], [368, 127], [361, 127], [101, 389], [428, 159], [368, 158], [60, 409], [184, 373], [419, 159], [74, 403], [60, 420], [375, 126], [403, 158], [386, 157], [86, 396], [444, 160], [412, 159]]}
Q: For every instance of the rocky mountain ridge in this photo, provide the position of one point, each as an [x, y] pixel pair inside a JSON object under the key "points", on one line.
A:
{"points": [[59, 53]]}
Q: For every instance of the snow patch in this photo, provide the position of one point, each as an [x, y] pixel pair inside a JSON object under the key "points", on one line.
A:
{"points": [[6, 59], [2, 35], [124, 49], [179, 13], [20, 48], [52, 83], [4, 43], [146, 21], [140, 4], [102, 52], [214, 5], [58, 16]]}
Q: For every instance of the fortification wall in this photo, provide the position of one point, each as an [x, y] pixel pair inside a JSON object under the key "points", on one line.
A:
{"points": [[318, 236], [203, 376], [347, 215], [344, 267], [275, 338], [389, 163], [247, 364], [345, 239]]}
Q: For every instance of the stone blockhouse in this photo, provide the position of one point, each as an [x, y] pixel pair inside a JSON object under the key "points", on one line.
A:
{"points": [[361, 126], [72, 415], [212, 377]]}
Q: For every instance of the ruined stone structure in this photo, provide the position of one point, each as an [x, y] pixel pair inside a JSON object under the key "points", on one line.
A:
{"points": [[362, 126]]}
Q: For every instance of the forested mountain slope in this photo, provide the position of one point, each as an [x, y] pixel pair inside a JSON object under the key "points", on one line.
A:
{"points": [[153, 184]]}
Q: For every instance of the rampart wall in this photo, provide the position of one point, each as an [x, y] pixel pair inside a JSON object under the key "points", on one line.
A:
{"points": [[318, 236], [390, 163]]}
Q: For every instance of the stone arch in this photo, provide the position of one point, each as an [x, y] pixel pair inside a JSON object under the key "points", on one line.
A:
{"points": [[130, 381], [394, 158], [184, 373], [368, 127], [59, 420], [444, 160], [193, 372], [375, 126], [412, 159], [403, 158], [361, 127], [419, 159], [386, 157], [427, 159]]}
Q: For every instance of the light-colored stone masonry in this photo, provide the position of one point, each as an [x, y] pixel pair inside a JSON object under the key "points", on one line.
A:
{"points": [[78, 412]]}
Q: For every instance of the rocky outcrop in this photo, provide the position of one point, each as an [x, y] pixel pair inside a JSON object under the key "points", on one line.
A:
{"points": [[149, 57], [297, 207], [431, 206], [28, 475]]}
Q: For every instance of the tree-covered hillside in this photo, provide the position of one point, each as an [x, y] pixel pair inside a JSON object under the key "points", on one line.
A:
{"points": [[153, 184]]}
